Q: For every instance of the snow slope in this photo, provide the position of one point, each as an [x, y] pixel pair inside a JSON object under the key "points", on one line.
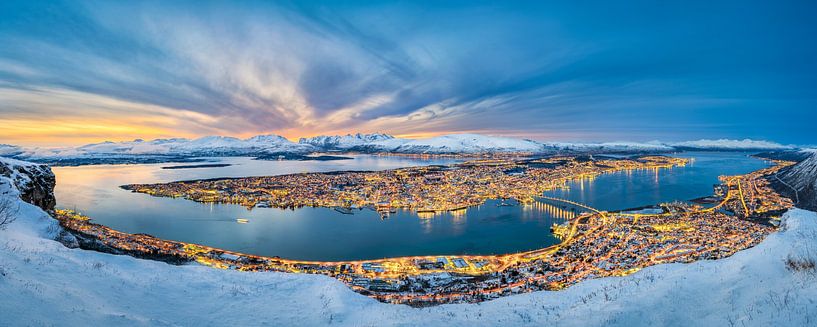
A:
{"points": [[43, 282], [799, 182]]}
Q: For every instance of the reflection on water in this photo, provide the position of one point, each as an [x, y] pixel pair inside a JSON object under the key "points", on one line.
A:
{"points": [[325, 234], [641, 187], [557, 212]]}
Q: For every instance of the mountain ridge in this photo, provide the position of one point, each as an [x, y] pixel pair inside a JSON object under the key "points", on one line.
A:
{"points": [[182, 149], [799, 182]]}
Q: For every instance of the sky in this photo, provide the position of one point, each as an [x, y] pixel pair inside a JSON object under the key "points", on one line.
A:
{"points": [[76, 72]]}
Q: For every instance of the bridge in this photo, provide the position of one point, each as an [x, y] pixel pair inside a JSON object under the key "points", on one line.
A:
{"points": [[580, 205]]}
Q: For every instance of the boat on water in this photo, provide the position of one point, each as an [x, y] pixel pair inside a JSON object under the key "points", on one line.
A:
{"points": [[242, 220], [505, 204], [345, 211]]}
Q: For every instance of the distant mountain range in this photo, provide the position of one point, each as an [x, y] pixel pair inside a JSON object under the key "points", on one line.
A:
{"points": [[476, 143], [181, 149]]}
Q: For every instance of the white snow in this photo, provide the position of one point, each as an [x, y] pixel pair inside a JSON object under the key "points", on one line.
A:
{"points": [[208, 145], [44, 283], [377, 142], [468, 143], [726, 144], [348, 141], [11, 179], [611, 147], [8, 150]]}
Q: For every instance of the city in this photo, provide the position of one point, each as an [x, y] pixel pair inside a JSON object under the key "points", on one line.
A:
{"points": [[408, 163], [426, 189], [740, 213]]}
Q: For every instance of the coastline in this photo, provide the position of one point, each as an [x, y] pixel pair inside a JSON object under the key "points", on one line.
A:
{"points": [[478, 267]]}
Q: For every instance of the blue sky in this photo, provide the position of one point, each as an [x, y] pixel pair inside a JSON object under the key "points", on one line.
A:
{"points": [[76, 71]]}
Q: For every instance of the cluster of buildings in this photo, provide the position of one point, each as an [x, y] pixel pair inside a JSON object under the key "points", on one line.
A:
{"points": [[427, 189], [594, 244]]}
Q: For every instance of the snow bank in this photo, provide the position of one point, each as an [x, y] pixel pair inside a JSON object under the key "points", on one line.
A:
{"points": [[44, 283]]}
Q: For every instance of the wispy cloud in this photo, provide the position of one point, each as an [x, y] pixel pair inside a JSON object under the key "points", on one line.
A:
{"points": [[194, 68]]}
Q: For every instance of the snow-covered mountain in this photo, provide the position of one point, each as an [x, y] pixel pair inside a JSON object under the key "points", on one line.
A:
{"points": [[730, 145], [225, 145], [346, 142], [475, 143], [175, 147], [446, 144], [463, 143], [180, 149], [9, 150], [608, 147], [799, 182]]}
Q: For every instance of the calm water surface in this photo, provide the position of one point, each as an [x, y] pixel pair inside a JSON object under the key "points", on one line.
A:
{"points": [[325, 234]]}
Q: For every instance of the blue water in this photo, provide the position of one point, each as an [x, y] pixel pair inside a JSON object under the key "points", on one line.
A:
{"points": [[325, 234], [636, 188]]}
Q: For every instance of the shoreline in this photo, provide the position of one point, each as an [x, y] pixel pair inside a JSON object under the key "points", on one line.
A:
{"points": [[389, 279]]}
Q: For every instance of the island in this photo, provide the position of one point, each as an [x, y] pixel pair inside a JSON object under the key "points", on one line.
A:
{"points": [[424, 189], [215, 165], [594, 243], [300, 157]]}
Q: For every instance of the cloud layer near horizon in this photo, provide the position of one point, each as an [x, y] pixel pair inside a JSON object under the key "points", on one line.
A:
{"points": [[74, 72]]}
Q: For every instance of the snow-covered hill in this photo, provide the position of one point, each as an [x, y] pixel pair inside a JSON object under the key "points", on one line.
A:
{"points": [[475, 143], [799, 182], [446, 144], [9, 150], [176, 147], [44, 283], [346, 142], [730, 145], [464, 143], [608, 147]]}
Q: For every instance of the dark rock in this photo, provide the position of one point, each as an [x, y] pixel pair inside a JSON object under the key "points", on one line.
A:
{"points": [[34, 181], [799, 183]]}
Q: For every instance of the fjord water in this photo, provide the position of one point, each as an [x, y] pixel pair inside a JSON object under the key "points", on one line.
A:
{"points": [[636, 188], [325, 234]]}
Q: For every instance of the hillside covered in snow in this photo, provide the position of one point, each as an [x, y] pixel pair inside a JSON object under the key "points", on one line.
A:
{"points": [[43, 282], [348, 141], [799, 181]]}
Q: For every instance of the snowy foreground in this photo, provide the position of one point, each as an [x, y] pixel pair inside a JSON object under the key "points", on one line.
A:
{"points": [[44, 283]]}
